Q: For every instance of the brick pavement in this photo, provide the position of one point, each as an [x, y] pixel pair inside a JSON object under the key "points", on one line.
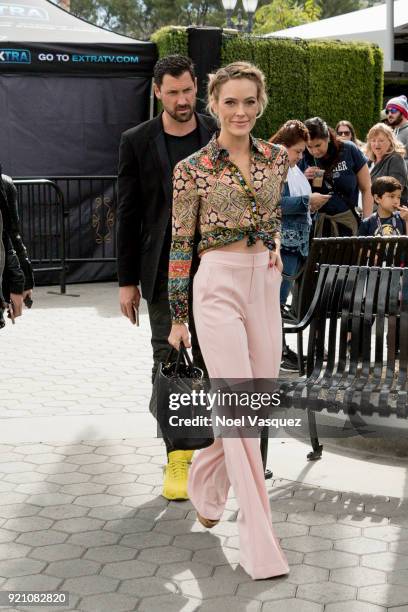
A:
{"points": [[85, 514]]}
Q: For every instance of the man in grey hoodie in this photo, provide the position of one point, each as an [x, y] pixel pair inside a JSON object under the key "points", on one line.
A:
{"points": [[397, 115]]}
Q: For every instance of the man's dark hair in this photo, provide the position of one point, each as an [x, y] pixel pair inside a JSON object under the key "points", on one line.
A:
{"points": [[174, 65], [384, 184]]}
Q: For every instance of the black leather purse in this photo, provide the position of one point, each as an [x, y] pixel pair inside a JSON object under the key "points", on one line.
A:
{"points": [[183, 424]]}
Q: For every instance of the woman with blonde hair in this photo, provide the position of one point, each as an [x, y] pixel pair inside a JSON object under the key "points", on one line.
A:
{"points": [[230, 190], [387, 156]]}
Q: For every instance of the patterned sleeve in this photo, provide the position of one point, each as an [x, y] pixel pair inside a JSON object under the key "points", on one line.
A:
{"points": [[184, 222]]}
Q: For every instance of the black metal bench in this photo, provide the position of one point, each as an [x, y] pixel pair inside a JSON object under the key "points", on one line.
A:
{"points": [[362, 313], [355, 250]]}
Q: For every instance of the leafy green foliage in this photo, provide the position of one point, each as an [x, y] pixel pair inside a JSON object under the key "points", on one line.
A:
{"points": [[282, 14], [378, 82], [140, 18], [123, 16], [331, 8], [170, 40], [344, 82]]}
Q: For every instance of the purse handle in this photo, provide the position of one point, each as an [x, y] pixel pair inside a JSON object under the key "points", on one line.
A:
{"points": [[182, 353]]}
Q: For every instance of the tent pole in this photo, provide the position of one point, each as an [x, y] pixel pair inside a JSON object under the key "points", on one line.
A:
{"points": [[389, 45], [151, 105]]}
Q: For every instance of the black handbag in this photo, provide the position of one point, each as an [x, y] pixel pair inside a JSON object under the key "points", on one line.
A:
{"points": [[174, 379]]}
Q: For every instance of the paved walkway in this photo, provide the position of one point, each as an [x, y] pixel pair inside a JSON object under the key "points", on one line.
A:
{"points": [[80, 483]]}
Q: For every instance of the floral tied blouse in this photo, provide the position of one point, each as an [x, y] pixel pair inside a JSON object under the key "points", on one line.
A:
{"points": [[211, 195]]}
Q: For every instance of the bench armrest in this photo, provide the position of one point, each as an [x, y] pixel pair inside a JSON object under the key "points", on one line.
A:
{"points": [[305, 322]]}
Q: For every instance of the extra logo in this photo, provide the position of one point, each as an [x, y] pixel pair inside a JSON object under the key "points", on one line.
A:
{"points": [[15, 56], [21, 11]]}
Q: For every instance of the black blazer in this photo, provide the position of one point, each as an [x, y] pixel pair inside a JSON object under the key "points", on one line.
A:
{"points": [[10, 268], [18, 273], [145, 200]]}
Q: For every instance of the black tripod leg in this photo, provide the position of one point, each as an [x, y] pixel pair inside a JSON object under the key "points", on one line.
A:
{"points": [[316, 453], [264, 451]]}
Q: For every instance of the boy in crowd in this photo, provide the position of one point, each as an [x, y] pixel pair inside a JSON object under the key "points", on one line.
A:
{"points": [[391, 218]]}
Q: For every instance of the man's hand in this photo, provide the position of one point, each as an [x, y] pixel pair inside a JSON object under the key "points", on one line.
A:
{"points": [[28, 298], [179, 332], [129, 298], [17, 301]]}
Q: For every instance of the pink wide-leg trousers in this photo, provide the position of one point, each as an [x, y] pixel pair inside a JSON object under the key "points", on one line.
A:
{"points": [[238, 323]]}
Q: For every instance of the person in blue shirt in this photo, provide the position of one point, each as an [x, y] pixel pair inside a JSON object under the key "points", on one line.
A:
{"points": [[390, 219], [338, 169]]}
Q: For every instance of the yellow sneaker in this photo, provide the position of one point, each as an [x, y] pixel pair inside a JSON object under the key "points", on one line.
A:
{"points": [[176, 475]]}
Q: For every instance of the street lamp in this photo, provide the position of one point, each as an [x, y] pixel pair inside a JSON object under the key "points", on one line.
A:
{"points": [[229, 6], [250, 8]]}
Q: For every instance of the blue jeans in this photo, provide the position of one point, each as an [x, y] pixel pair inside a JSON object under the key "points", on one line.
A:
{"points": [[291, 265]]}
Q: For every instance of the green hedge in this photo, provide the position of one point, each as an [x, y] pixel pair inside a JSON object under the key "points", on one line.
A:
{"points": [[170, 40], [287, 89], [378, 82], [335, 80], [343, 83]]}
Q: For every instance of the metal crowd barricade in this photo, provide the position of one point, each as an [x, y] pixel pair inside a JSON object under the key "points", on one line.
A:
{"points": [[68, 221], [42, 217], [91, 204]]}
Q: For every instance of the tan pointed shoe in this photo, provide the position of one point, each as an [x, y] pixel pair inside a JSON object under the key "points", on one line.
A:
{"points": [[207, 522]]}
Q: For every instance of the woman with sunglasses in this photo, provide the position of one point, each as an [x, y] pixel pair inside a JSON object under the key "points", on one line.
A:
{"points": [[345, 131]]}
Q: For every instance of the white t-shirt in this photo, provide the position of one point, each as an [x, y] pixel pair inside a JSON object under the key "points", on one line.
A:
{"points": [[298, 183], [299, 186]]}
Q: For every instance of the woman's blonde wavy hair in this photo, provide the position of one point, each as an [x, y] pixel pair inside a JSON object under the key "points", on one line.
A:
{"points": [[395, 145], [236, 70]]}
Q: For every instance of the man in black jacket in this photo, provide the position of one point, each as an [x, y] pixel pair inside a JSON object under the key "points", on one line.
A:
{"points": [[17, 279], [11, 270], [147, 156]]}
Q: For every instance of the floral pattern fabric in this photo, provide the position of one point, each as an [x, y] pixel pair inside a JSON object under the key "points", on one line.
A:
{"points": [[210, 194]]}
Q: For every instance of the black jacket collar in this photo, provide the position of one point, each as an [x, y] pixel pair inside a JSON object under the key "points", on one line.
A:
{"points": [[206, 127]]}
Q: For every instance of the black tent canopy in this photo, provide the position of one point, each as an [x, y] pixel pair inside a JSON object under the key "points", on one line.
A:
{"points": [[67, 90], [41, 36]]}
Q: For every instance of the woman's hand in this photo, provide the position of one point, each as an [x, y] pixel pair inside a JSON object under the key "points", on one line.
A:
{"points": [[317, 200], [310, 172], [275, 260], [178, 333]]}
